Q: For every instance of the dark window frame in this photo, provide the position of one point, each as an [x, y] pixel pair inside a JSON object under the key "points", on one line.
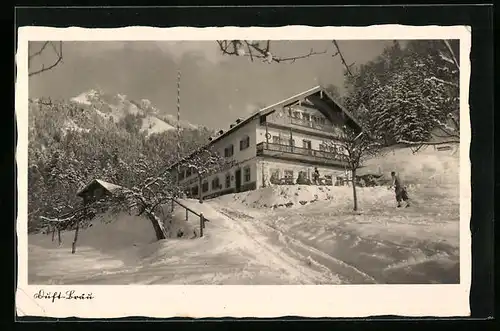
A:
{"points": [[247, 174], [216, 183], [244, 143], [229, 151]]}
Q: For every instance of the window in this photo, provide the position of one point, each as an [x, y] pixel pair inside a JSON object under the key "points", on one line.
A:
{"points": [[296, 114], [246, 174], [229, 151], [307, 144], [306, 117], [288, 173], [276, 139], [275, 176], [204, 187], [194, 190], [215, 183], [244, 143], [228, 180], [322, 147]]}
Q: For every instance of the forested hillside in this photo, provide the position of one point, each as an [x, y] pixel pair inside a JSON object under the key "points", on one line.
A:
{"points": [[74, 141]]}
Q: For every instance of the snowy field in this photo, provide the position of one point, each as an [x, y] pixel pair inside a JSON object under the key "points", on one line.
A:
{"points": [[279, 235]]}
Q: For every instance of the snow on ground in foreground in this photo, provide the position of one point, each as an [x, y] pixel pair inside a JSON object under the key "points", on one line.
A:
{"points": [[419, 244], [230, 253]]}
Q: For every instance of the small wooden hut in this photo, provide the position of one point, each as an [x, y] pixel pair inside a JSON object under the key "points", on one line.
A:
{"points": [[97, 189]]}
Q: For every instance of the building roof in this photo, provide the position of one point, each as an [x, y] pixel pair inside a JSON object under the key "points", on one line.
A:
{"points": [[107, 186], [270, 109]]}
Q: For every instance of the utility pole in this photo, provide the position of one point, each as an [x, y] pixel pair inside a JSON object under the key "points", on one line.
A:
{"points": [[178, 125]]}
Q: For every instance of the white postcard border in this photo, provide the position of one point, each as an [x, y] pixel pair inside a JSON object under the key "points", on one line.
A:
{"points": [[163, 301]]}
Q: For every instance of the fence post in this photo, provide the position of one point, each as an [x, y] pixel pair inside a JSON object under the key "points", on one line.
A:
{"points": [[187, 213], [73, 248], [172, 204], [202, 224], [59, 235]]}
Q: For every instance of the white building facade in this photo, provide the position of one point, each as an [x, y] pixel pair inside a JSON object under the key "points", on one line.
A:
{"points": [[278, 145]]}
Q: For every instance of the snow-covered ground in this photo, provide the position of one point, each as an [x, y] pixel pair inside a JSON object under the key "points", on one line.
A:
{"points": [[380, 243], [322, 242], [278, 235]]}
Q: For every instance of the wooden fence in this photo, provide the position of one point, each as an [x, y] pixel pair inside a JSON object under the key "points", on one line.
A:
{"points": [[188, 210]]}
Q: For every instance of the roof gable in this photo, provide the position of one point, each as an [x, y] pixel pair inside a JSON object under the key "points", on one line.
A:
{"points": [[107, 186], [330, 103]]}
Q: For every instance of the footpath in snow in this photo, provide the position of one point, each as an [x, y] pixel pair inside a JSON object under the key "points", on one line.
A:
{"points": [[231, 252], [380, 243]]}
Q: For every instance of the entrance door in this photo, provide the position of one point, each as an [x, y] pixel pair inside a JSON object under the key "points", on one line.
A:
{"points": [[237, 177]]}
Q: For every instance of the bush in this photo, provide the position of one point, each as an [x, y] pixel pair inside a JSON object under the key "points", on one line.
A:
{"points": [[303, 180]]}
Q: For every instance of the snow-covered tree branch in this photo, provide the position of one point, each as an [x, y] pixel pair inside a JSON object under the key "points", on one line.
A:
{"points": [[354, 147], [412, 93], [204, 162]]}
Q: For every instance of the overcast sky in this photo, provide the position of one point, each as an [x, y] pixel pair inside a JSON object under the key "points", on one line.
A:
{"points": [[216, 89]]}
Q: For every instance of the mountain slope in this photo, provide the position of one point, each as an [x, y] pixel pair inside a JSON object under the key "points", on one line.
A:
{"points": [[118, 107]]}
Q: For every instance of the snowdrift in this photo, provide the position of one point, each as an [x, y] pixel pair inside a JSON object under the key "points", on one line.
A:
{"points": [[287, 196], [428, 166], [107, 232]]}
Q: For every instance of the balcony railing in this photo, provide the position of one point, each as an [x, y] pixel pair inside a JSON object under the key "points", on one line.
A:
{"points": [[307, 125], [299, 153], [311, 124]]}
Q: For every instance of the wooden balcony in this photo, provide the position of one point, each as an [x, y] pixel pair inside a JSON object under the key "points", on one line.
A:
{"points": [[304, 155], [325, 130], [313, 125]]}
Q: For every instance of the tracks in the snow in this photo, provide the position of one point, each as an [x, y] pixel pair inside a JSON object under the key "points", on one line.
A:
{"points": [[335, 268], [275, 255]]}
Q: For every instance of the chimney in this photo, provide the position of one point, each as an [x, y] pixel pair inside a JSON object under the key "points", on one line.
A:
{"points": [[221, 131], [231, 126], [238, 121], [210, 138]]}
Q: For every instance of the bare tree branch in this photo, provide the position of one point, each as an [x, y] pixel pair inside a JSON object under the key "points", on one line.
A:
{"points": [[255, 50], [59, 57], [430, 143], [339, 53], [447, 43]]}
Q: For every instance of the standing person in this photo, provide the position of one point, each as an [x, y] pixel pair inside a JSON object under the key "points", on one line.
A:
{"points": [[400, 190], [316, 176]]}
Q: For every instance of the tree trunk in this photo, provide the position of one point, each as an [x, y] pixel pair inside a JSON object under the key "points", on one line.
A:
{"points": [[73, 248], [202, 224], [200, 189], [354, 195], [158, 226]]}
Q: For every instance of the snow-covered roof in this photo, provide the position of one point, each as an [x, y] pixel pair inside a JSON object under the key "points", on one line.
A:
{"points": [[108, 186]]}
